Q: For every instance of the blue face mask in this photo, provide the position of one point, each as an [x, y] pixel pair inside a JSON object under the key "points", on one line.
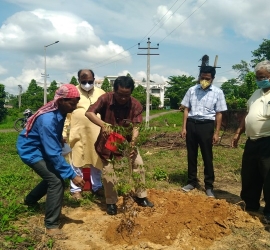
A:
{"points": [[263, 84]]}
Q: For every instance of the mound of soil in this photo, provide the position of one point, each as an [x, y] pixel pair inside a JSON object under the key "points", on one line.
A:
{"points": [[177, 221]]}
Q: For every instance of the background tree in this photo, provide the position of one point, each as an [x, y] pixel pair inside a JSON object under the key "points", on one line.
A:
{"points": [[236, 94], [139, 93], [106, 85], [74, 81], [242, 68], [51, 90], [178, 86], [262, 53], [33, 98], [128, 75], [3, 110]]}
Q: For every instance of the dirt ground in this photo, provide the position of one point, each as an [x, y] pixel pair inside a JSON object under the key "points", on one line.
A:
{"points": [[178, 220]]}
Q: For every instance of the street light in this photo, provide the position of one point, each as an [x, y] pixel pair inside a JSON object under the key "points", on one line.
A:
{"points": [[45, 74]]}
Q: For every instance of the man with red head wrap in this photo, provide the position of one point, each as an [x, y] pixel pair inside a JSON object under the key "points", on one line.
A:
{"points": [[40, 147]]}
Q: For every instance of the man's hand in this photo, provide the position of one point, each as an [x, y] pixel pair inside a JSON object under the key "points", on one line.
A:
{"points": [[183, 133], [78, 181], [235, 139], [215, 138], [106, 129]]}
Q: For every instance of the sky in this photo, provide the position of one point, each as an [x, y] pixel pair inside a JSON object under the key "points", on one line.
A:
{"points": [[103, 35]]}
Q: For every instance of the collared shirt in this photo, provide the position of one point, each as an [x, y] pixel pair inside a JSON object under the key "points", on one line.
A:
{"points": [[44, 143], [114, 114], [204, 104], [257, 121]]}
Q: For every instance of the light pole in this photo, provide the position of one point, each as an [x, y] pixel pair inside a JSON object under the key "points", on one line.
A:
{"points": [[45, 74]]}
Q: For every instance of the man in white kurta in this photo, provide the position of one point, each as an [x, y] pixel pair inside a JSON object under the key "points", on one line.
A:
{"points": [[81, 134]]}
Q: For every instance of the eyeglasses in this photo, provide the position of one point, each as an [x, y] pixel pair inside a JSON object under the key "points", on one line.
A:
{"points": [[85, 82], [122, 96]]}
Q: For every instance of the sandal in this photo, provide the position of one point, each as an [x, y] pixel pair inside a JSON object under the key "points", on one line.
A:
{"points": [[56, 233]]}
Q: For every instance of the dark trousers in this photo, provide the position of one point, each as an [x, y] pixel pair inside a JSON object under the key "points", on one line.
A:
{"points": [[52, 185], [200, 134], [255, 173]]}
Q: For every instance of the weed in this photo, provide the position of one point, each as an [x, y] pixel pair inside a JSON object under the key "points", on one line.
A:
{"points": [[160, 174]]}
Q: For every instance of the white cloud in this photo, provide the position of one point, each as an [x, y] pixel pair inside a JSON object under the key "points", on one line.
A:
{"points": [[11, 83], [3, 70]]}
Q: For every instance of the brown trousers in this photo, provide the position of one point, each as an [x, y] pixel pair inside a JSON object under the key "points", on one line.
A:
{"points": [[110, 179]]}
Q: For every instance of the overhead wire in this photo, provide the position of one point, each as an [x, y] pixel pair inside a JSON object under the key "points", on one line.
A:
{"points": [[168, 17], [100, 64], [183, 21]]}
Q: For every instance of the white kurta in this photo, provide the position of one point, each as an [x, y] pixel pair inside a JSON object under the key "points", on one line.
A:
{"points": [[82, 133]]}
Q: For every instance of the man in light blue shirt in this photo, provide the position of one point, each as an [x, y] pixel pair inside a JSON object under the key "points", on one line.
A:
{"points": [[204, 104], [40, 147]]}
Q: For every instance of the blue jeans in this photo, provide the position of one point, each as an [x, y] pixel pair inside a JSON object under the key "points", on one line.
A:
{"points": [[52, 185]]}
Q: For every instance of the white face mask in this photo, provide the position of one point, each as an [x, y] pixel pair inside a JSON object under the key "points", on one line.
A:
{"points": [[87, 86]]}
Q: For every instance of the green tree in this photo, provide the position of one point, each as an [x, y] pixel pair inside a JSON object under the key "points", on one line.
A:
{"points": [[74, 81], [128, 75], [33, 98], [230, 88], [139, 93], [51, 90], [3, 110], [242, 68], [155, 101], [262, 53], [106, 86], [178, 86]]}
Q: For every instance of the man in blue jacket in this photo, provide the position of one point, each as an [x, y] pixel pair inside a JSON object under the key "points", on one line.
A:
{"points": [[40, 147]]}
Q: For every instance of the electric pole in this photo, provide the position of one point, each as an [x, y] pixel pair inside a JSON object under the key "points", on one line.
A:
{"points": [[148, 79], [20, 95]]}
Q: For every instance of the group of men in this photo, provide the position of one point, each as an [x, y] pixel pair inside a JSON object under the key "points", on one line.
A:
{"points": [[85, 115]]}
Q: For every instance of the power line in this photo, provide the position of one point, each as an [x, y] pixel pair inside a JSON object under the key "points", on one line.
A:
{"points": [[160, 20], [100, 64], [183, 21], [169, 17]]}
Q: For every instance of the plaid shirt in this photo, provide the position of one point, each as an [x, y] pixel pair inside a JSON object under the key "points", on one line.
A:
{"points": [[116, 115], [204, 104]]}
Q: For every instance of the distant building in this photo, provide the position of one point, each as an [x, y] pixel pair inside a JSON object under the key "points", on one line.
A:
{"points": [[156, 89]]}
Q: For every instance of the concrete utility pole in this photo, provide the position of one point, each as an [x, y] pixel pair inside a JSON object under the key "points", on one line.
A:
{"points": [[45, 74], [20, 95], [148, 79]]}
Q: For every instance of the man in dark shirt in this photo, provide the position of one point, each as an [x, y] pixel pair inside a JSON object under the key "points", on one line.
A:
{"points": [[118, 108]]}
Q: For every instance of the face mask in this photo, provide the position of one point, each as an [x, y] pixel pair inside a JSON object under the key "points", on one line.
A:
{"points": [[205, 84], [263, 84], [87, 86]]}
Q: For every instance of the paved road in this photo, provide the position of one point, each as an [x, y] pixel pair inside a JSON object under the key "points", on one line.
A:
{"points": [[150, 117]]}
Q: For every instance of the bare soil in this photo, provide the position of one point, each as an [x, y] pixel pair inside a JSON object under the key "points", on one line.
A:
{"points": [[179, 220]]}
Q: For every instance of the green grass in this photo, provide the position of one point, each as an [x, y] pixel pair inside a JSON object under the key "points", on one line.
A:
{"points": [[166, 169], [8, 123]]}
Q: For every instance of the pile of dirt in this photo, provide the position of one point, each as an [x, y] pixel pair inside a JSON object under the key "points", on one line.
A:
{"points": [[177, 221]]}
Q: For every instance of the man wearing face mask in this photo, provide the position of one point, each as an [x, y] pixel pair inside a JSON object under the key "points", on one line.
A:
{"points": [[255, 170], [82, 134], [203, 105]]}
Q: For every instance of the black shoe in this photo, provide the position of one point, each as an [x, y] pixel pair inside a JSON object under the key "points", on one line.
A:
{"points": [[111, 209], [99, 192], [32, 205], [143, 202]]}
